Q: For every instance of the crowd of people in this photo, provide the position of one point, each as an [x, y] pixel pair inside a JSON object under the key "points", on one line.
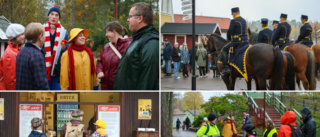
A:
{"points": [[288, 128], [74, 128], [181, 56], [51, 59]]}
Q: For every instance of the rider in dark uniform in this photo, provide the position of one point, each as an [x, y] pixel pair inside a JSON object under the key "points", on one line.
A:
{"points": [[305, 32], [265, 34], [237, 34], [274, 25], [281, 37]]}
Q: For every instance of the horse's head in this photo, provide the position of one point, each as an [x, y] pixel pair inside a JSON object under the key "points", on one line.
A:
{"points": [[215, 43]]}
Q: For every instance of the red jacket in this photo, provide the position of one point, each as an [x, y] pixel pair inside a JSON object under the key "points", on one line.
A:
{"points": [[108, 62], [8, 68], [287, 118]]}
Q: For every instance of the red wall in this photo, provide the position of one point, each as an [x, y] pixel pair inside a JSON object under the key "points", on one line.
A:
{"points": [[170, 37], [189, 41], [180, 40]]}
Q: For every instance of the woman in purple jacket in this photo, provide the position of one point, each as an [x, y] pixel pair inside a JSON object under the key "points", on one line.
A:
{"points": [[110, 56]]}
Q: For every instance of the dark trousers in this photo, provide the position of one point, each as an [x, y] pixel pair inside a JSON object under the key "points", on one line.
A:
{"points": [[185, 69], [202, 71]]}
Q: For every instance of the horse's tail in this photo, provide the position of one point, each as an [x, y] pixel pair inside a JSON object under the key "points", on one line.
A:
{"points": [[277, 70], [290, 83], [310, 72]]}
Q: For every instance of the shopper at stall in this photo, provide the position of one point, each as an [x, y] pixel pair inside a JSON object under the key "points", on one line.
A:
{"points": [[75, 126], [31, 71], [100, 129], [15, 34], [37, 125], [111, 54], [78, 71]]}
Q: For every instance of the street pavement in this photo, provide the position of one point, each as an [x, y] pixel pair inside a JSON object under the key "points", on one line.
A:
{"points": [[183, 133], [207, 83]]}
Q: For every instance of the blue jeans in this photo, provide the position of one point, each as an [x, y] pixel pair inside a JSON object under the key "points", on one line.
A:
{"points": [[54, 83], [244, 132], [176, 69], [209, 62], [168, 66]]}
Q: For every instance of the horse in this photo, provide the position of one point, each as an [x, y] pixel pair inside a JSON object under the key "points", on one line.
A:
{"points": [[213, 57], [288, 76], [304, 65], [316, 51], [267, 64]]}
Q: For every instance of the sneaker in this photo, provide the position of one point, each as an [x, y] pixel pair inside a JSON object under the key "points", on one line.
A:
{"points": [[178, 78], [200, 76]]}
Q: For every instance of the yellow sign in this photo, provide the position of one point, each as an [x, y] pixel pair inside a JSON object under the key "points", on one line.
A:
{"points": [[1, 108], [144, 109], [67, 97]]}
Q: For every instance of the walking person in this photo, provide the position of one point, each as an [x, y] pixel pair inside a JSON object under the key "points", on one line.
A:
{"points": [[185, 59], [100, 129], [75, 126], [176, 57], [15, 34], [37, 127], [139, 66], [246, 121], [167, 56], [229, 129], [78, 71], [111, 54], [54, 34], [270, 130], [210, 128], [202, 53], [188, 123], [178, 124], [289, 127], [308, 126], [30, 63]]}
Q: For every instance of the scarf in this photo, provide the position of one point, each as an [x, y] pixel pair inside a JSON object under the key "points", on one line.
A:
{"points": [[76, 119], [102, 131], [47, 46], [71, 62], [231, 126]]}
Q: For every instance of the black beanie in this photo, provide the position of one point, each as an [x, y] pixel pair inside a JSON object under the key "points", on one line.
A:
{"points": [[56, 9], [211, 117]]}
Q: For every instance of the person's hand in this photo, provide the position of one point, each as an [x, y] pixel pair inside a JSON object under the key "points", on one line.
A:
{"points": [[225, 119], [100, 75], [63, 44]]}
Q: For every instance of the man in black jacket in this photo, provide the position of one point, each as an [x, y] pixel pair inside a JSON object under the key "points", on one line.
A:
{"points": [[308, 127]]}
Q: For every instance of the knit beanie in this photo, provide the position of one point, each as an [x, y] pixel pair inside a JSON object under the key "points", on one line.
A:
{"points": [[14, 30], [56, 9]]}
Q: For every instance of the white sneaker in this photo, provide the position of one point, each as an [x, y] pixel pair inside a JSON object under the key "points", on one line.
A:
{"points": [[178, 78], [201, 77]]}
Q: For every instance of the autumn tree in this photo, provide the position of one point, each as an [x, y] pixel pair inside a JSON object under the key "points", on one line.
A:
{"points": [[178, 101], [192, 100], [315, 33]]}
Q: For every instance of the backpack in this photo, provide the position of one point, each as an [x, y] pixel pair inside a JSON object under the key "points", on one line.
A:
{"points": [[295, 132], [74, 131], [208, 127]]}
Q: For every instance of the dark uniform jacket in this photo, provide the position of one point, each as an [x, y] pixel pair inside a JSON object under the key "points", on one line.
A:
{"points": [[308, 127], [281, 36], [237, 31], [265, 36], [305, 34], [139, 66]]}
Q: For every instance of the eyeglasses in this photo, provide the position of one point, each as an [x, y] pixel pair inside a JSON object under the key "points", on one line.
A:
{"points": [[130, 16]]}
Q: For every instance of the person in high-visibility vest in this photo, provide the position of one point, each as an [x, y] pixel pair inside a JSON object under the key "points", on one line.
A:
{"points": [[270, 130], [209, 129]]}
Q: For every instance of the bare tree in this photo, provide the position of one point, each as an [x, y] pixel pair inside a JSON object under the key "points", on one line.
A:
{"points": [[166, 113]]}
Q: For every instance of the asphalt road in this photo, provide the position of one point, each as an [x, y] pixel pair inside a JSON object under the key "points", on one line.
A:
{"points": [[183, 133], [208, 83]]}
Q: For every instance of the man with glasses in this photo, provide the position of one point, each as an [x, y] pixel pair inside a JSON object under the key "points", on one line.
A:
{"points": [[139, 66]]}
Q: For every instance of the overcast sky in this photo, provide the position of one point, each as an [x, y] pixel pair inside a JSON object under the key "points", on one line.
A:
{"points": [[256, 9], [208, 94]]}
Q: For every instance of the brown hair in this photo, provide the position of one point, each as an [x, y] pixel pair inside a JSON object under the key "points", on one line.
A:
{"points": [[269, 124], [145, 10], [33, 31], [115, 26], [14, 41]]}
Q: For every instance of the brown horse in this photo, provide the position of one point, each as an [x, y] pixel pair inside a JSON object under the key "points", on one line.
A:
{"points": [[304, 65], [288, 75], [316, 51], [262, 62]]}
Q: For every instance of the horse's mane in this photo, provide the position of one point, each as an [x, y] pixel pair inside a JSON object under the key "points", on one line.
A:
{"points": [[218, 40]]}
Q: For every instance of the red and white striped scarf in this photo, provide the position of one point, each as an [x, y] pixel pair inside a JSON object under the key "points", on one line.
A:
{"points": [[244, 121], [49, 58]]}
